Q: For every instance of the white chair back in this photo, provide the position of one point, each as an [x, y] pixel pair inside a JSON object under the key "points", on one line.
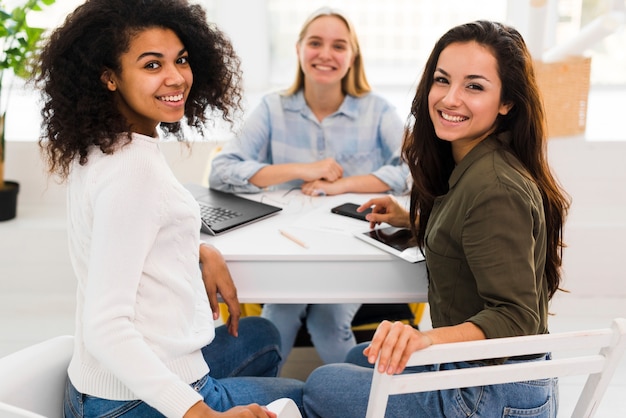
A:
{"points": [[607, 347], [32, 380]]}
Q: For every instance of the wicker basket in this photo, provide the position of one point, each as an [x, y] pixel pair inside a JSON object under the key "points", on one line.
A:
{"points": [[565, 89]]}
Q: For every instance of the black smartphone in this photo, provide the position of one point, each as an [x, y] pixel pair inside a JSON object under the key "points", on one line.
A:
{"points": [[349, 209]]}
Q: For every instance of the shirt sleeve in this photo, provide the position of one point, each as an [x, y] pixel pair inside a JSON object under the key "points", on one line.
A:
{"points": [[503, 240], [243, 155], [394, 172]]}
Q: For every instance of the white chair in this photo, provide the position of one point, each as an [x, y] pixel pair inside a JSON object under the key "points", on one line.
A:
{"points": [[32, 380], [607, 346]]}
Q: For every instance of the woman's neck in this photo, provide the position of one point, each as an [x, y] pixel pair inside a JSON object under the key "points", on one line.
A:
{"points": [[323, 101]]}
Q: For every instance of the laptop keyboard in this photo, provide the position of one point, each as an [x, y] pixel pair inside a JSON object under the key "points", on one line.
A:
{"points": [[211, 214]]}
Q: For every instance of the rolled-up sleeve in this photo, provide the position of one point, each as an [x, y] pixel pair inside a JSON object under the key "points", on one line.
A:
{"points": [[394, 173], [244, 155]]}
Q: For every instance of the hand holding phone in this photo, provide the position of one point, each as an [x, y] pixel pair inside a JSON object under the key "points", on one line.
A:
{"points": [[349, 209]]}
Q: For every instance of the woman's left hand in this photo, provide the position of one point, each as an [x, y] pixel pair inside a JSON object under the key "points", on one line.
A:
{"points": [[321, 188], [395, 342], [217, 279]]}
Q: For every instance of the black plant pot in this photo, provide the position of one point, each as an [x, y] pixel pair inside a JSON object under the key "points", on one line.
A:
{"points": [[8, 200]]}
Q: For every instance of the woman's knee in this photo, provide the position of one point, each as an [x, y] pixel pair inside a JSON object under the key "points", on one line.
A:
{"points": [[337, 390], [356, 356], [263, 331]]}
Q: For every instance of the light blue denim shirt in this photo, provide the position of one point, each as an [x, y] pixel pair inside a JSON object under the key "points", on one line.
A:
{"points": [[364, 136]]}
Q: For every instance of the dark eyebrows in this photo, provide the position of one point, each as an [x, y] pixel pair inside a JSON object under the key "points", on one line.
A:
{"points": [[467, 77], [441, 70], [477, 77], [158, 54]]}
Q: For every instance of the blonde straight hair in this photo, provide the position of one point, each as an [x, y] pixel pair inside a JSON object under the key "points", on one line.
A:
{"points": [[354, 82]]}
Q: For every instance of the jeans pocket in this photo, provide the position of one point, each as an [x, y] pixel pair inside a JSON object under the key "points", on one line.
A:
{"points": [[105, 408], [543, 411]]}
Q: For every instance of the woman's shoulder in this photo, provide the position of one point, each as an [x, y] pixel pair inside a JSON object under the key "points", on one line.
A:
{"points": [[279, 99], [138, 154], [501, 172]]}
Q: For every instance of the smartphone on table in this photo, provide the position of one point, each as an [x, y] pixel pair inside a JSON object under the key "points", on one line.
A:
{"points": [[349, 209]]}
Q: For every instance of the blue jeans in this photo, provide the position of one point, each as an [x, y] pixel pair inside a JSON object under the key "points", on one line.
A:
{"points": [[342, 390], [243, 371], [329, 325]]}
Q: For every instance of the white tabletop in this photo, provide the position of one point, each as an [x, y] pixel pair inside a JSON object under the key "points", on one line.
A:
{"points": [[335, 266]]}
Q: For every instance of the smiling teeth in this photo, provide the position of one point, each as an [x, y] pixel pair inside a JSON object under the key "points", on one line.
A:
{"points": [[176, 98], [451, 118]]}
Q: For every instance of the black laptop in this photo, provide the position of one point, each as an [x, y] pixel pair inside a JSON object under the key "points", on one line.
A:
{"points": [[221, 212]]}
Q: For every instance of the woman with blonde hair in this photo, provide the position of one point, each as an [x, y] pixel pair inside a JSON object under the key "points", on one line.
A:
{"points": [[326, 134]]}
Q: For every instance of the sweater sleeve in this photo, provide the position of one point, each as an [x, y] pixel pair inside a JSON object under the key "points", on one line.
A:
{"points": [[127, 205]]}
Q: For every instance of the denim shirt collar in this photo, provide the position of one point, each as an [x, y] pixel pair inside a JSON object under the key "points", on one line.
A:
{"points": [[296, 103]]}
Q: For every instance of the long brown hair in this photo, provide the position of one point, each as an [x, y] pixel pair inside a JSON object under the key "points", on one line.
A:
{"points": [[430, 159]]}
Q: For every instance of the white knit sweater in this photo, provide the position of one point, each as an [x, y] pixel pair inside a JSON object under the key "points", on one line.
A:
{"points": [[142, 310]]}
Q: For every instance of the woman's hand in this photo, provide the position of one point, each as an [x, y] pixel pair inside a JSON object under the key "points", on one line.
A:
{"points": [[202, 410], [386, 209], [326, 169], [395, 342], [217, 279], [322, 188]]}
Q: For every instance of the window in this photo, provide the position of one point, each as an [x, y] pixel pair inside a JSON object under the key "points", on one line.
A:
{"points": [[396, 36]]}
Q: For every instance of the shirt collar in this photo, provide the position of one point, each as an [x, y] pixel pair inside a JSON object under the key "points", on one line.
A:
{"points": [[296, 103], [488, 145]]}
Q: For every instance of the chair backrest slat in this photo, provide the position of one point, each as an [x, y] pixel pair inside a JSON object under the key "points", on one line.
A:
{"points": [[608, 347], [512, 346]]}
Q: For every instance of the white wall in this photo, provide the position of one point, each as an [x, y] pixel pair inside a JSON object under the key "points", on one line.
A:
{"points": [[24, 165]]}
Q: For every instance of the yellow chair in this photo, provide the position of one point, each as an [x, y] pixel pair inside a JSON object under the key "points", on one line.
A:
{"points": [[363, 332]]}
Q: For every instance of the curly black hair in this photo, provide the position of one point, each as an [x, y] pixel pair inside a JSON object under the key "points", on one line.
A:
{"points": [[79, 111]]}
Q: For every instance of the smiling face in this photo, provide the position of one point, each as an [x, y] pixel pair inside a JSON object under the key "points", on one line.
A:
{"points": [[154, 80], [325, 52], [464, 99]]}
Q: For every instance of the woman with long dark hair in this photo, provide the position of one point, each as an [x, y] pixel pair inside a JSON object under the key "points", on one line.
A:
{"points": [[489, 216]]}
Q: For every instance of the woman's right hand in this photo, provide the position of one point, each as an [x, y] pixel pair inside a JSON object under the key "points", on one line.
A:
{"points": [[386, 209], [326, 169], [394, 343]]}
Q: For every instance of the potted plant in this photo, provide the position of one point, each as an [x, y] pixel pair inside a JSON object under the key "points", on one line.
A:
{"points": [[19, 43]]}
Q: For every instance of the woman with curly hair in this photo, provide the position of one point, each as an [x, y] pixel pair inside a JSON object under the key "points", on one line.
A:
{"points": [[489, 215], [145, 340]]}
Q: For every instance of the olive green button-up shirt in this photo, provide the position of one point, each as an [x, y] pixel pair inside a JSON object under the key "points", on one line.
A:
{"points": [[485, 246]]}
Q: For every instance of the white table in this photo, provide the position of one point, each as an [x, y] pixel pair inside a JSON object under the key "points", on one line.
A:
{"points": [[336, 267]]}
